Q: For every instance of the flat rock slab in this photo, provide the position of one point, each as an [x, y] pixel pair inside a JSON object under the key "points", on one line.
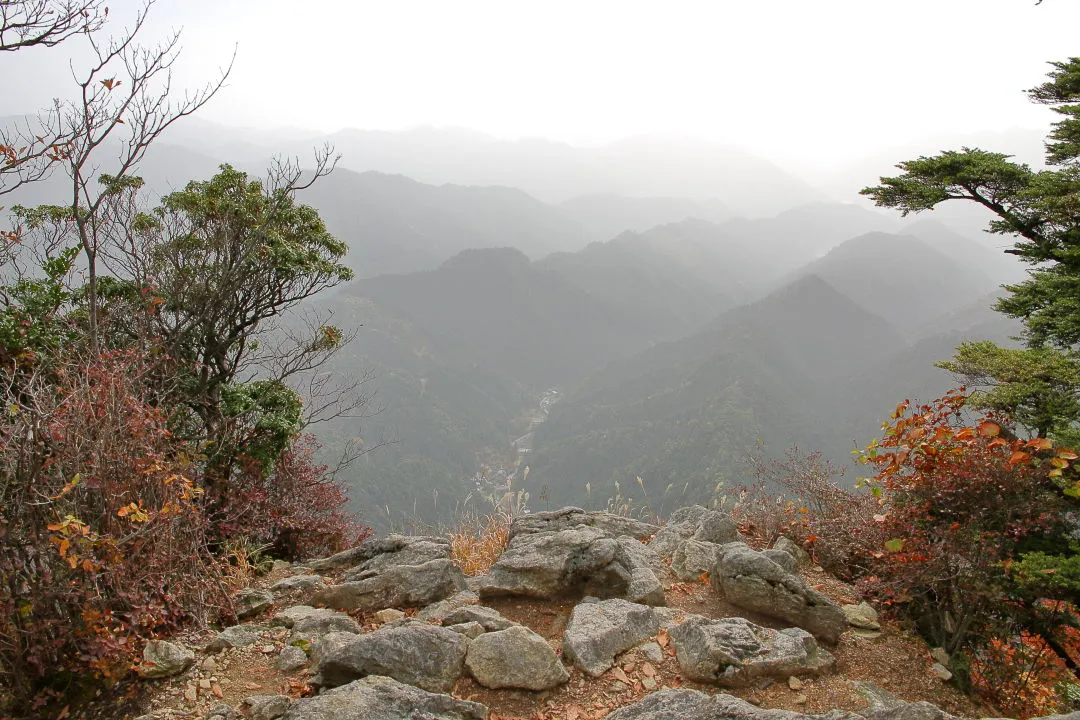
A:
{"points": [[514, 658], [415, 653], [401, 586], [580, 561], [370, 549], [309, 623], [297, 583], [609, 524], [382, 698], [413, 551], [733, 652], [751, 580], [598, 631], [489, 618]]}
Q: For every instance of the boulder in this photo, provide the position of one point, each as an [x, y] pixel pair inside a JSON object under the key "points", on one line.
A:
{"points": [[783, 559], [470, 630], [412, 551], [733, 651], [236, 636], [382, 698], [309, 623], [419, 654], [692, 558], [577, 561], [297, 583], [716, 527], [750, 580], [389, 615], [267, 707], [802, 558], [697, 523], [164, 659], [489, 618], [250, 602], [369, 549], [598, 631], [406, 585], [221, 711], [291, 658], [567, 518], [514, 658]]}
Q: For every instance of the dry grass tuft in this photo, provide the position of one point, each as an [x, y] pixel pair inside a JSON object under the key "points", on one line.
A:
{"points": [[479, 541]]}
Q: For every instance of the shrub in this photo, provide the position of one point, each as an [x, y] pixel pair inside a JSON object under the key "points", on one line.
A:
{"points": [[479, 540]]}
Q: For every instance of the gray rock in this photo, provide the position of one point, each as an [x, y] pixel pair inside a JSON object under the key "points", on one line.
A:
{"points": [[407, 551], [783, 559], [470, 630], [236, 636], [598, 631], [308, 622], [572, 517], [291, 658], [419, 654], [222, 711], [297, 583], [692, 558], [694, 705], [652, 651], [733, 652], [715, 527], [689, 516], [436, 612], [752, 581], [388, 615], [910, 711], [382, 698], [876, 698], [861, 616], [165, 659], [941, 656], [668, 539], [941, 671], [365, 551], [406, 585], [802, 558], [643, 584], [250, 602], [267, 707], [514, 658], [489, 618]]}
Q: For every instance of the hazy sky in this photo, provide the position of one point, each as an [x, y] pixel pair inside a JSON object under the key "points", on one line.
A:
{"points": [[802, 82]]}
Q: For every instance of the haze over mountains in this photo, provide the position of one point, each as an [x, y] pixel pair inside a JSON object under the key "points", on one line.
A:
{"points": [[674, 305]]}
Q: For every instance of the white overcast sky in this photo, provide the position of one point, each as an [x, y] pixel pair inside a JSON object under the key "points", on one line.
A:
{"points": [[803, 82]]}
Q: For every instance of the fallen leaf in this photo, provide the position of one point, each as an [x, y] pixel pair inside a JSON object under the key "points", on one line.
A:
{"points": [[648, 670], [216, 689], [252, 686], [620, 675], [663, 638]]}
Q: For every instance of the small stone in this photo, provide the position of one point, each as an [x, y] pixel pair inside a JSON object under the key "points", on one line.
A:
{"points": [[191, 695], [649, 683], [268, 649], [165, 659], [388, 615], [801, 700], [204, 684], [941, 656], [209, 665], [941, 671], [794, 683]]}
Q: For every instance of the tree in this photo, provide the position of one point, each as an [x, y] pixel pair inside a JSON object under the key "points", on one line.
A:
{"points": [[1041, 209]]}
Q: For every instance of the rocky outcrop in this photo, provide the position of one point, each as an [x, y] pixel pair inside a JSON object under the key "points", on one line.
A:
{"points": [[374, 547], [401, 586], [697, 523], [298, 583], [514, 658], [734, 651], [694, 557], [751, 580], [572, 517], [415, 653], [600, 630], [164, 659], [802, 558], [580, 561], [382, 698]]}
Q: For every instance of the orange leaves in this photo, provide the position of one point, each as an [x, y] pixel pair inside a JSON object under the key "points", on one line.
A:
{"points": [[1018, 456], [989, 429]]}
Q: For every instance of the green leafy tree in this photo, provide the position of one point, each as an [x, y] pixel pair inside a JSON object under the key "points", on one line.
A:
{"points": [[1040, 209]]}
